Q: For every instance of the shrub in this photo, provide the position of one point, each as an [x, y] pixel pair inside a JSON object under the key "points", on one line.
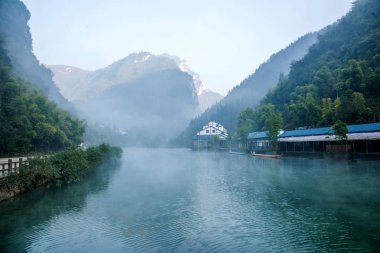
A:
{"points": [[64, 167], [71, 164]]}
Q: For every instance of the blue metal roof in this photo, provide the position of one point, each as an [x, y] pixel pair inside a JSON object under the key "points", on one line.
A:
{"points": [[307, 132], [258, 135], [373, 127], [362, 128]]}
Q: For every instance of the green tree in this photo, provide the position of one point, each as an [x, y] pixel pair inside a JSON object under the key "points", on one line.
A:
{"points": [[273, 124], [338, 79], [325, 81], [304, 106], [340, 130], [359, 106], [245, 124], [30, 122]]}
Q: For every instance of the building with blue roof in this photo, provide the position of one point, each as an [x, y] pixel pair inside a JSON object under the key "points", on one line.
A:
{"points": [[258, 142], [362, 138]]}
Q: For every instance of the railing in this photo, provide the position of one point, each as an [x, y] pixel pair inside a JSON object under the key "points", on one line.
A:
{"points": [[10, 166]]}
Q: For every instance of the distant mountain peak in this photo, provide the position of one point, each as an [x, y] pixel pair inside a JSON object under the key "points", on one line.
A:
{"points": [[78, 85], [182, 65], [143, 59]]}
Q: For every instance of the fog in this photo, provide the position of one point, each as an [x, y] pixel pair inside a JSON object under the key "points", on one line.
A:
{"points": [[223, 41], [323, 196], [141, 99], [150, 111], [179, 201]]}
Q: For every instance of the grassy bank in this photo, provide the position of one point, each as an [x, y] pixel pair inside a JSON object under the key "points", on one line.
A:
{"points": [[61, 168]]}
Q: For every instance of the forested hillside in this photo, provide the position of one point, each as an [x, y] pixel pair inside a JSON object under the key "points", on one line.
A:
{"points": [[17, 43], [249, 92], [339, 79], [29, 122]]}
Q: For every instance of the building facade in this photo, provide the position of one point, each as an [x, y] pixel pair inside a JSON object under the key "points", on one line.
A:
{"points": [[258, 142], [361, 139], [212, 135]]}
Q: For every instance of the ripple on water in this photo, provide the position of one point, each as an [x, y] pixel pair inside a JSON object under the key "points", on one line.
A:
{"points": [[209, 202]]}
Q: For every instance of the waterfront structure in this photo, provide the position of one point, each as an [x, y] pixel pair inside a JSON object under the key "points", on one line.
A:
{"points": [[258, 142], [212, 135], [361, 139]]}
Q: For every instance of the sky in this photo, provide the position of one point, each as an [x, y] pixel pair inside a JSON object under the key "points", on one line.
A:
{"points": [[222, 40]]}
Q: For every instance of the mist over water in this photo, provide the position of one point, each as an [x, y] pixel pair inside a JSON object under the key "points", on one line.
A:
{"points": [[161, 200]]}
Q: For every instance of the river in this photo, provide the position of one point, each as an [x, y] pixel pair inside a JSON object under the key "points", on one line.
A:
{"points": [[169, 200]]}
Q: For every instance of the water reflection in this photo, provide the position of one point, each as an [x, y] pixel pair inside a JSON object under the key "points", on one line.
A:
{"points": [[24, 215], [180, 201]]}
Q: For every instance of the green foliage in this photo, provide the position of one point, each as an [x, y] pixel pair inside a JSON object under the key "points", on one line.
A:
{"points": [[71, 164], [17, 43], [95, 155], [339, 78], [273, 124], [30, 122], [263, 118], [304, 106], [249, 92], [330, 109], [36, 172], [340, 130], [64, 167], [245, 123]]}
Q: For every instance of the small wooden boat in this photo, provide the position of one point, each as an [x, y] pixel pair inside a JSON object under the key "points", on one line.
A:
{"points": [[265, 155]]}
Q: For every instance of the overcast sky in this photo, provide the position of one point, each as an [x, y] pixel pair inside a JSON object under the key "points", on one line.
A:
{"points": [[223, 41]]}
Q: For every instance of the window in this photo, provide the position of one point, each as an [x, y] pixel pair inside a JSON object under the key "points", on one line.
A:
{"points": [[213, 131], [207, 131]]}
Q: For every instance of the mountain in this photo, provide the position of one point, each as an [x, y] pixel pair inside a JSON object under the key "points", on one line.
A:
{"points": [[67, 78], [149, 98], [338, 79], [30, 122], [249, 92], [17, 44], [125, 70], [79, 85], [207, 98]]}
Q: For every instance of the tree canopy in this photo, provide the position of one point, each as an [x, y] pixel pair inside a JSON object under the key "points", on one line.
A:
{"points": [[29, 122], [337, 80]]}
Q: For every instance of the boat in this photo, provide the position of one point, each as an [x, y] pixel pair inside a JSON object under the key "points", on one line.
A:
{"points": [[266, 155]]}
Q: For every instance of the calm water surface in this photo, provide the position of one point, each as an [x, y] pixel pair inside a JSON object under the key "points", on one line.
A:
{"points": [[182, 201]]}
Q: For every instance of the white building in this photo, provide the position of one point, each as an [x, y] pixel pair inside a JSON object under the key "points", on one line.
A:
{"points": [[204, 137]]}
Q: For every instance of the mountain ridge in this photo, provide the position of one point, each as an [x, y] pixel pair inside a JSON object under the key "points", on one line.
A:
{"points": [[249, 92], [337, 80], [17, 43], [78, 84]]}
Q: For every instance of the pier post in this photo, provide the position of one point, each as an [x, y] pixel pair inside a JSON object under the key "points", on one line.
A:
{"points": [[9, 166], [19, 163]]}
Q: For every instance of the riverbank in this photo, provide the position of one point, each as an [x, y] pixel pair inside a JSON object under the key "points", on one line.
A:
{"points": [[61, 168]]}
